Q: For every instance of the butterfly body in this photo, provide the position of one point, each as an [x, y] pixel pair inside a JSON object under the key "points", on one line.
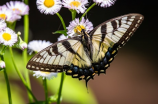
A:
{"points": [[86, 55]]}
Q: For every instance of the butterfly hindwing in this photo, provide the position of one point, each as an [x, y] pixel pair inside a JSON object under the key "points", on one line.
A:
{"points": [[60, 56], [109, 36]]}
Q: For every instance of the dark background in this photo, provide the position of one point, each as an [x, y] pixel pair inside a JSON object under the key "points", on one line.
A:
{"points": [[133, 75]]}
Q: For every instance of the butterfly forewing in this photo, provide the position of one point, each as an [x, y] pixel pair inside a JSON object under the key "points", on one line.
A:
{"points": [[109, 36], [59, 56]]}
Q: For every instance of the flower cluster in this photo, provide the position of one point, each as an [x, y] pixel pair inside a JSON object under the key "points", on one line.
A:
{"points": [[75, 27], [13, 11], [9, 14], [54, 6]]}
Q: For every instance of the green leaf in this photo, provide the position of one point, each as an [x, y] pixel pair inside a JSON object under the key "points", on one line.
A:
{"points": [[60, 32]]}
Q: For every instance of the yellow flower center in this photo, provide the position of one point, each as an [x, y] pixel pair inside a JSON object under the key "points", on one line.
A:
{"points": [[3, 16], [75, 3], [78, 29], [6, 36], [49, 3], [45, 72], [16, 9]]}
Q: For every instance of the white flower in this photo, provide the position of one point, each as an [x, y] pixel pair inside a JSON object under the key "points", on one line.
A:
{"points": [[76, 26], [2, 64], [105, 3], [8, 37], [62, 37], [8, 15], [78, 5], [48, 75], [18, 7], [38, 45], [2, 25], [49, 6]]}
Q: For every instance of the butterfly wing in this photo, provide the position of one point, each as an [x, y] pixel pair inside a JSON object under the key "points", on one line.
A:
{"points": [[109, 36], [61, 56]]}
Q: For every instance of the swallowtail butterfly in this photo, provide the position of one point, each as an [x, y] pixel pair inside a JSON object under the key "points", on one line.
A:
{"points": [[86, 55]]}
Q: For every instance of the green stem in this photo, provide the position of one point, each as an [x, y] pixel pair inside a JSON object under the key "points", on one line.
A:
{"points": [[26, 35], [62, 21], [88, 10], [22, 79], [62, 76], [73, 12], [7, 82], [60, 88], [46, 90]]}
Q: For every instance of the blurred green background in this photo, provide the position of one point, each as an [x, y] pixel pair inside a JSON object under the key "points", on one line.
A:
{"points": [[132, 77]]}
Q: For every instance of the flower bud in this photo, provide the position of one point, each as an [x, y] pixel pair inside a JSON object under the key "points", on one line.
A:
{"points": [[2, 64]]}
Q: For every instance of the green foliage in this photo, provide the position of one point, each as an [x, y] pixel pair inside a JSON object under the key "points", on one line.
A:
{"points": [[60, 32], [74, 91], [16, 92], [9, 65]]}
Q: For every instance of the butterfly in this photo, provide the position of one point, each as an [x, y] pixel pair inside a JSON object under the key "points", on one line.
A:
{"points": [[86, 55]]}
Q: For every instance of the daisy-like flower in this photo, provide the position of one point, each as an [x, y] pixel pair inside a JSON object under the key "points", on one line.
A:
{"points": [[105, 3], [2, 64], [78, 5], [18, 7], [76, 26], [62, 37], [49, 6], [8, 37], [8, 15], [48, 75], [38, 45], [2, 25]]}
